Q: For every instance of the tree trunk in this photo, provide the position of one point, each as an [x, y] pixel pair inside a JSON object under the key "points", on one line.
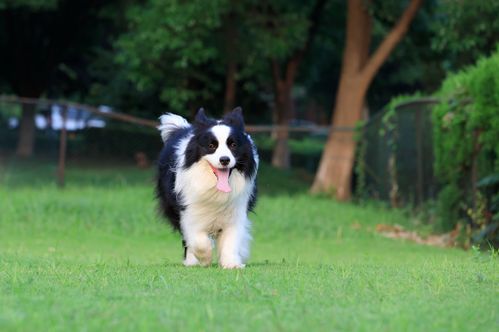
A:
{"points": [[26, 142], [230, 86], [283, 105], [283, 85], [358, 70], [335, 170], [231, 47]]}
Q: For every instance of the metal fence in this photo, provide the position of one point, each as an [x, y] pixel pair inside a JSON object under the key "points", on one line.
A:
{"points": [[396, 158], [394, 165], [67, 129]]}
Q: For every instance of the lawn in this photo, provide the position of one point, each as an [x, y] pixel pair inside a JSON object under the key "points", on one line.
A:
{"points": [[95, 257]]}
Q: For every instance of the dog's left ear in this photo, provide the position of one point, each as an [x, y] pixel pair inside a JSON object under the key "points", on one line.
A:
{"points": [[235, 118], [201, 119]]}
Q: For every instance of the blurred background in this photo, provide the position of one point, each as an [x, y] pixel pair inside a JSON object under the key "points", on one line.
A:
{"points": [[393, 101]]}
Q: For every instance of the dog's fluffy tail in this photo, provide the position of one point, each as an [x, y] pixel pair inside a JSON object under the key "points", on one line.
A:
{"points": [[169, 123]]}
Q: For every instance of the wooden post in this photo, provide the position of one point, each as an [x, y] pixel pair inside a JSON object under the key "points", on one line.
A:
{"points": [[62, 148]]}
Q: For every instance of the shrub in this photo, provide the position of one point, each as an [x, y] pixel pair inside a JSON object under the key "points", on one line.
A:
{"points": [[466, 145]]}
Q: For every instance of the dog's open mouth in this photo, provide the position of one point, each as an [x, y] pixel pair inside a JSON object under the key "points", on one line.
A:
{"points": [[222, 175]]}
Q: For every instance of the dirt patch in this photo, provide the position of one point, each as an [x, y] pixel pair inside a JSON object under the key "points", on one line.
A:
{"points": [[398, 232]]}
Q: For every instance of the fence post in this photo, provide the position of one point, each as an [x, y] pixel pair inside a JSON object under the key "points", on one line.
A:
{"points": [[62, 148]]}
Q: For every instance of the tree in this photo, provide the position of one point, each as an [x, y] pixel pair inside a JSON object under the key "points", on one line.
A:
{"points": [[190, 49], [20, 68], [358, 70], [282, 33], [236, 51], [45, 45], [231, 38], [464, 31], [172, 46], [284, 81]]}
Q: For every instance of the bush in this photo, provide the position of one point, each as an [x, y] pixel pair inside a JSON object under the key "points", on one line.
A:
{"points": [[466, 144]]}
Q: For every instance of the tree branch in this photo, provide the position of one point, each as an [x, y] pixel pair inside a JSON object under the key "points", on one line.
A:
{"points": [[391, 40]]}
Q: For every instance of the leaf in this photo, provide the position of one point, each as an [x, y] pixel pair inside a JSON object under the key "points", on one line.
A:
{"points": [[488, 181]]}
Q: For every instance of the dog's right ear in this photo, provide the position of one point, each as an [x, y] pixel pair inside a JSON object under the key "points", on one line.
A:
{"points": [[235, 118], [201, 117]]}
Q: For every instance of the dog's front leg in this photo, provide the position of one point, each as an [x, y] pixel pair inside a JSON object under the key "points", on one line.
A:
{"points": [[190, 259], [233, 244], [199, 245]]}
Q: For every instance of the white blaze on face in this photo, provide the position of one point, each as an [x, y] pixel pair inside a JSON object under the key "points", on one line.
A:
{"points": [[221, 133], [222, 172]]}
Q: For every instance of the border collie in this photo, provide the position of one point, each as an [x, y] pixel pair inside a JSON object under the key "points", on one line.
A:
{"points": [[207, 185]]}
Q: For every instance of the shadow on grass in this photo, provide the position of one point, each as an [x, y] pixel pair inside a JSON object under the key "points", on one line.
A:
{"points": [[216, 266], [39, 173]]}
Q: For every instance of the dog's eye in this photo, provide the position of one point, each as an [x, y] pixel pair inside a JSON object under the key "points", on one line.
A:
{"points": [[211, 146], [232, 145]]}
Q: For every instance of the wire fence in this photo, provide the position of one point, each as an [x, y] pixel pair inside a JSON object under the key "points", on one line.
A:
{"points": [[66, 129], [396, 158], [395, 165]]}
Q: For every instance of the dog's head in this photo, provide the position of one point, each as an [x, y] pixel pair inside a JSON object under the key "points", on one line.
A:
{"points": [[223, 144]]}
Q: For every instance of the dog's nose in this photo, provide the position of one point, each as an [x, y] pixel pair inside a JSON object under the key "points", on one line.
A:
{"points": [[224, 160]]}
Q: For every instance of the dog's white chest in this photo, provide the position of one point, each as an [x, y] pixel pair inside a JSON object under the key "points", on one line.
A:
{"points": [[197, 185], [207, 208]]}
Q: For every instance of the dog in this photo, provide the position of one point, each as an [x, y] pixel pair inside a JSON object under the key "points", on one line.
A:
{"points": [[206, 185]]}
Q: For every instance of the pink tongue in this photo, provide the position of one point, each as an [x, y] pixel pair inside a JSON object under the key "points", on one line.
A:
{"points": [[223, 180]]}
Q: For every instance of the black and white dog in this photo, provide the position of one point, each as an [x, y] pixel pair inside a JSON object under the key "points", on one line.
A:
{"points": [[207, 185]]}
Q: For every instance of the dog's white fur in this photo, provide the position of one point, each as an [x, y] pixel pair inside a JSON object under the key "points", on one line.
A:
{"points": [[170, 122], [211, 215], [221, 132]]}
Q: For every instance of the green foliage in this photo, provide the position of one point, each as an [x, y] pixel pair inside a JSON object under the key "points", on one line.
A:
{"points": [[466, 131], [32, 4], [279, 28], [390, 111], [449, 206], [9, 110], [169, 44], [465, 30], [179, 50], [48, 45]]}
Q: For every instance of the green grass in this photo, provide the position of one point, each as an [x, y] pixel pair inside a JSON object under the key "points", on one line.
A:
{"points": [[94, 256]]}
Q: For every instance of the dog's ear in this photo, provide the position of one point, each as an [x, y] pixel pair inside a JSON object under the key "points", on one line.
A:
{"points": [[235, 118], [201, 117]]}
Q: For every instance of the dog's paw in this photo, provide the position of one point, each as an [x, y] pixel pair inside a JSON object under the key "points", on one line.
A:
{"points": [[190, 260], [204, 259], [230, 265], [190, 263]]}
